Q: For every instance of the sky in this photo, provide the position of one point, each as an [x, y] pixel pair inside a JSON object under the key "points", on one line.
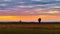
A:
{"points": [[30, 10]]}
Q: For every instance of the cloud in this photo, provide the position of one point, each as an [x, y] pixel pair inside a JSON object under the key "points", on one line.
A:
{"points": [[55, 7], [3, 5], [26, 3], [52, 12], [29, 7], [28, 12], [36, 0], [7, 0], [46, 0], [25, 6], [21, 2]]}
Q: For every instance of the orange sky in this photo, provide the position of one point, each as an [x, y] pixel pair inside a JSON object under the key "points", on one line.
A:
{"points": [[43, 17], [9, 18], [30, 18], [50, 15]]}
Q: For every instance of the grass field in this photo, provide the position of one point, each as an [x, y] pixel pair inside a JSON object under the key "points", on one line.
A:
{"points": [[29, 28]]}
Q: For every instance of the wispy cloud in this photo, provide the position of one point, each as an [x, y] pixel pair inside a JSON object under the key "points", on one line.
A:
{"points": [[29, 7]]}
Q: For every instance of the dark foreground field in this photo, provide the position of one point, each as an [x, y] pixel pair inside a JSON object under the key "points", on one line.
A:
{"points": [[30, 28]]}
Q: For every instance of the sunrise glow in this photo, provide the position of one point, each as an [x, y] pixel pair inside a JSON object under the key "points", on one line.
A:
{"points": [[9, 18], [29, 10], [52, 12]]}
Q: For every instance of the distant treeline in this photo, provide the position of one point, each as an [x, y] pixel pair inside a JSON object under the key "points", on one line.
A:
{"points": [[29, 23]]}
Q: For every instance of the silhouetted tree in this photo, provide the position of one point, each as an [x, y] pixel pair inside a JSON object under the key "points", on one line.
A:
{"points": [[39, 20]]}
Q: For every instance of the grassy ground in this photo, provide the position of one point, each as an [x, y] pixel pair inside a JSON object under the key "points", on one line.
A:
{"points": [[29, 28], [36, 31]]}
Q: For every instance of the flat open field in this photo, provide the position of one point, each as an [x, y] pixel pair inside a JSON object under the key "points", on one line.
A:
{"points": [[29, 28]]}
